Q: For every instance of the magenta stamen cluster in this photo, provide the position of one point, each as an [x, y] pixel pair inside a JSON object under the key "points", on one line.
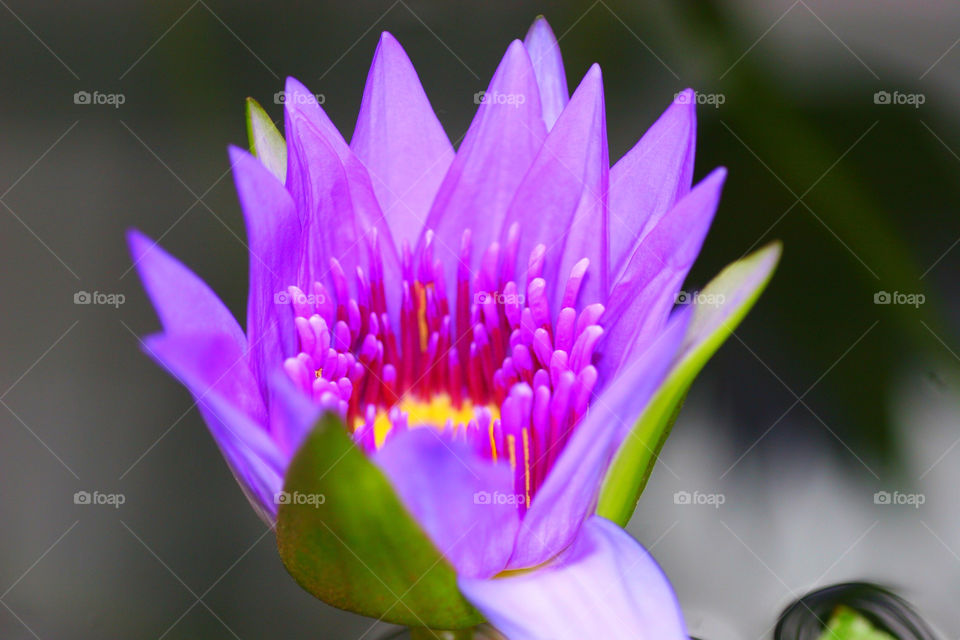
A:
{"points": [[527, 376]]}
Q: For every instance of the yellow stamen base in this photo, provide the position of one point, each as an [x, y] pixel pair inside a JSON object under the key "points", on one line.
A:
{"points": [[435, 412]]}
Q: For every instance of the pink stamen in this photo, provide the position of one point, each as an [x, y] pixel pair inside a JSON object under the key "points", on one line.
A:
{"points": [[494, 345]]}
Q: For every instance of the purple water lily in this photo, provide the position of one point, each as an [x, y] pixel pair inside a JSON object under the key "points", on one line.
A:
{"points": [[487, 323]]}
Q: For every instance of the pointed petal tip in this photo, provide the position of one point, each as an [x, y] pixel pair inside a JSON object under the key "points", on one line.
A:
{"points": [[388, 45], [252, 106], [150, 344], [592, 80], [514, 49], [767, 258], [138, 243], [236, 154], [685, 103], [540, 26], [387, 38], [544, 51], [715, 179], [134, 235], [293, 87], [592, 83], [771, 252], [515, 61], [244, 164], [389, 53]]}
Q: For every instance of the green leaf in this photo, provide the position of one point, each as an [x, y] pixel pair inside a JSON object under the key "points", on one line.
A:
{"points": [[726, 300], [266, 142], [357, 547], [847, 624]]}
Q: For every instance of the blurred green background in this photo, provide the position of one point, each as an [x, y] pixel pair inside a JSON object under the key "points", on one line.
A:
{"points": [[861, 192]]}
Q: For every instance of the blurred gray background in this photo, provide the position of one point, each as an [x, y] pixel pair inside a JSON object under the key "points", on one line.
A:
{"points": [[822, 399]]}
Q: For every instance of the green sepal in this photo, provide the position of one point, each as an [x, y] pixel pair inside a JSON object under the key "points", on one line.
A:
{"points": [[738, 286], [266, 142], [847, 624], [357, 547]]}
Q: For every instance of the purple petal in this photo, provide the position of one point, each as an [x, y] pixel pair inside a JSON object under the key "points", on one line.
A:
{"points": [[465, 504], [562, 202], [547, 61], [226, 392], [303, 115], [499, 147], [570, 491], [400, 141], [606, 586], [652, 177], [645, 292], [300, 103], [208, 363], [183, 301], [293, 415], [318, 183], [273, 234], [258, 478]]}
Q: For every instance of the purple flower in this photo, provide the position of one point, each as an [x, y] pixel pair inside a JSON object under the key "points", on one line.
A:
{"points": [[488, 323]]}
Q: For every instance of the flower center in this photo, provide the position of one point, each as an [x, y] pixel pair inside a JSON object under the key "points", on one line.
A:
{"points": [[491, 367]]}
